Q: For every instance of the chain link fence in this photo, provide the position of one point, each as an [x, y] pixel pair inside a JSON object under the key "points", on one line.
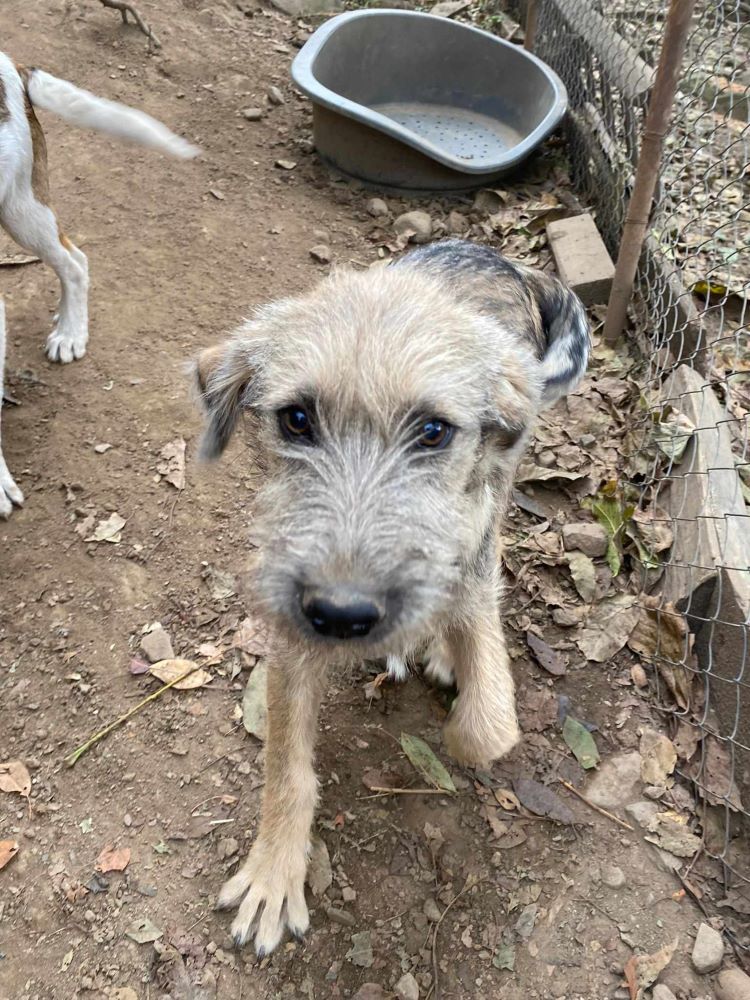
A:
{"points": [[689, 444]]}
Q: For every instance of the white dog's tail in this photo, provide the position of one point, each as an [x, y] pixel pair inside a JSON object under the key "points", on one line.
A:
{"points": [[89, 111]]}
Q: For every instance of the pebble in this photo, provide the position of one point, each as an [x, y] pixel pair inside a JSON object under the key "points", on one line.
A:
{"points": [[348, 894], [591, 539], [252, 114], [431, 910], [613, 876], [406, 988], [417, 224], [275, 96], [321, 253], [227, 847], [340, 917], [617, 782], [642, 812], [157, 645], [89, 916], [377, 208], [733, 985], [662, 992], [370, 991], [638, 676], [708, 950], [458, 224]]}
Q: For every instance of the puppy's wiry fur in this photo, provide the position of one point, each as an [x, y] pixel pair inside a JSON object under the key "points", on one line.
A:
{"points": [[453, 331], [25, 210]]}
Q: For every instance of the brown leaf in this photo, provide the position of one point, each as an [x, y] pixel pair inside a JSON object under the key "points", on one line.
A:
{"points": [[713, 773], [15, 778], [608, 628], [658, 758], [515, 835], [8, 851], [113, 859], [547, 657], [172, 463], [492, 816], [537, 709], [541, 800], [168, 670], [643, 970], [661, 632], [252, 637], [506, 799]]}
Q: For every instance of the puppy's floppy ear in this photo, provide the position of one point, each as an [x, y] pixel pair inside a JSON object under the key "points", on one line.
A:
{"points": [[566, 330], [224, 375]]}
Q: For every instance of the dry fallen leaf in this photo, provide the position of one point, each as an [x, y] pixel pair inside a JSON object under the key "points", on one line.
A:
{"points": [[109, 530], [507, 799], [541, 800], [252, 637], [15, 778], [608, 628], [713, 773], [583, 572], [8, 851], [319, 871], [658, 758], [425, 761], [547, 657], [670, 832], [643, 970], [113, 859], [168, 670], [172, 464]]}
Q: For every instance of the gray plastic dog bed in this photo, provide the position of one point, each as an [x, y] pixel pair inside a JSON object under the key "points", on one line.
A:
{"points": [[410, 100]]}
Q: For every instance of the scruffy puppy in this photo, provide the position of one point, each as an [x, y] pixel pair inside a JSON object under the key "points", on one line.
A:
{"points": [[25, 198], [390, 409]]}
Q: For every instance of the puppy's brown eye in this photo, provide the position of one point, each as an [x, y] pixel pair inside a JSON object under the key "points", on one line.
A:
{"points": [[434, 434], [295, 424]]}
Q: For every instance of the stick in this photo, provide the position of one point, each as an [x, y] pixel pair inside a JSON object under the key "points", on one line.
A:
{"points": [[126, 8], [602, 812], [73, 757], [468, 885], [408, 791], [532, 15], [679, 20]]}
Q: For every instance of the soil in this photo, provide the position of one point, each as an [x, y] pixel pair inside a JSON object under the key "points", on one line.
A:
{"points": [[179, 252]]}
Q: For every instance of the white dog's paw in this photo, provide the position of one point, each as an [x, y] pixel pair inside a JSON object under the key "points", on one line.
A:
{"points": [[439, 669], [65, 346], [476, 740], [9, 492], [270, 891]]}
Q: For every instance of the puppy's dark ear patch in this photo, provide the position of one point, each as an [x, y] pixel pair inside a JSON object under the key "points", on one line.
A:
{"points": [[566, 331], [223, 374]]}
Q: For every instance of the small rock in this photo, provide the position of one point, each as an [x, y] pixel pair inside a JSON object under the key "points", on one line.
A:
{"points": [[275, 96], [370, 991], [417, 226], [458, 224], [431, 910], [252, 114], [733, 985], [662, 992], [157, 645], [642, 812], [360, 952], [227, 847], [125, 993], [638, 676], [340, 917], [406, 988], [348, 894], [319, 871], [321, 253], [89, 916], [708, 950], [613, 876], [617, 782], [377, 208], [591, 539], [285, 164]]}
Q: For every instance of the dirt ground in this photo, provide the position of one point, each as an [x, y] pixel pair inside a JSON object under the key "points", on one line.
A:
{"points": [[178, 253]]}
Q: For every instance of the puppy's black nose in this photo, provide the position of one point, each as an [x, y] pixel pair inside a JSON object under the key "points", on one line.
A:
{"points": [[342, 620]]}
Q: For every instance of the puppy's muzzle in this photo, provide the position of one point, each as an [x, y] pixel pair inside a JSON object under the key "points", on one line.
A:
{"points": [[341, 614]]}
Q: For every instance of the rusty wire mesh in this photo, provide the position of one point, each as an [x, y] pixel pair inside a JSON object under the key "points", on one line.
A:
{"points": [[689, 445]]}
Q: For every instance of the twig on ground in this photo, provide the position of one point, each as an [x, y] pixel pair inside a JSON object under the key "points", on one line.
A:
{"points": [[126, 8], [404, 791], [468, 886], [73, 757], [602, 812]]}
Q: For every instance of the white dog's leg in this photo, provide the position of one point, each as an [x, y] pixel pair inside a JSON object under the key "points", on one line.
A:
{"points": [[9, 492], [34, 226]]}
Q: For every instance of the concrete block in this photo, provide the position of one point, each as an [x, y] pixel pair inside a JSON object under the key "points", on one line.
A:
{"points": [[581, 258]]}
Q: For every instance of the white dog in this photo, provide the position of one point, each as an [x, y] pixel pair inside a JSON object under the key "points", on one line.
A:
{"points": [[25, 203]]}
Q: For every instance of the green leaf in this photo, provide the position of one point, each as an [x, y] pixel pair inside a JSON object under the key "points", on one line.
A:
{"points": [[581, 742], [86, 825], [425, 761], [613, 514]]}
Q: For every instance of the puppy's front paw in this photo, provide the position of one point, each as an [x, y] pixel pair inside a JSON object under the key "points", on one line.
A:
{"points": [[439, 668], [9, 492], [477, 741], [65, 346], [270, 892]]}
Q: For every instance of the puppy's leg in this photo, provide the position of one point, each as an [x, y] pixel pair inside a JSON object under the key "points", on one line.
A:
{"points": [[482, 725], [9, 492], [270, 886], [439, 667], [34, 227]]}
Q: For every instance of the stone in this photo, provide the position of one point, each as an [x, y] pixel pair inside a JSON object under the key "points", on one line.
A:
{"points": [[431, 910], [370, 991], [417, 226], [275, 96], [643, 812], [458, 224], [156, 644], [340, 917], [581, 258], [321, 253], [613, 876], [377, 208], [662, 992], [406, 988], [227, 847], [708, 950], [733, 984], [360, 952], [587, 537], [618, 781], [252, 114]]}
